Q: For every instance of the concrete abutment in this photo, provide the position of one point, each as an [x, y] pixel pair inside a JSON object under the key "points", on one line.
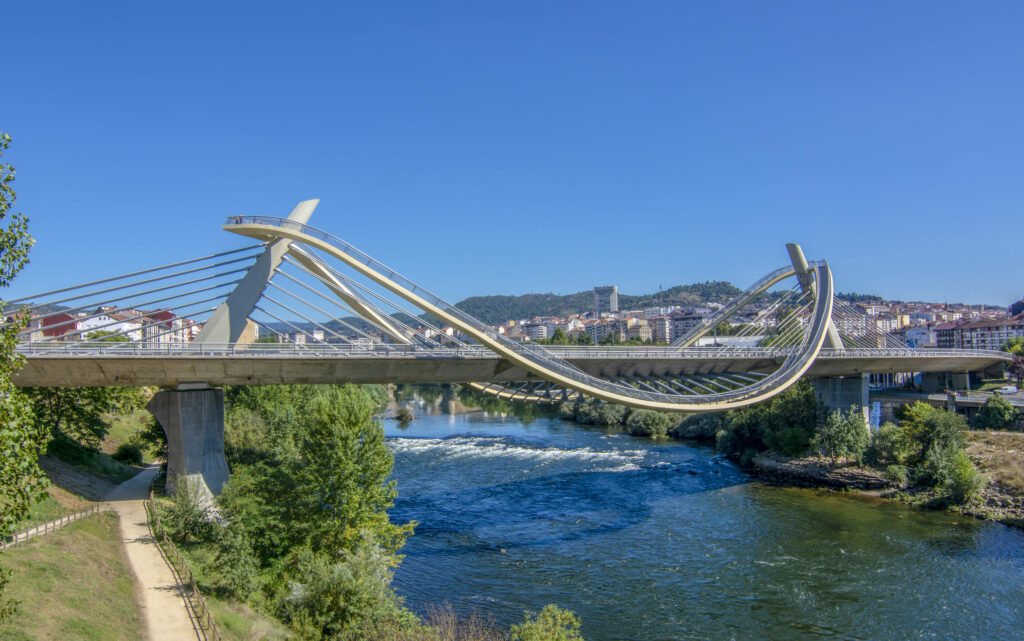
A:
{"points": [[193, 420]]}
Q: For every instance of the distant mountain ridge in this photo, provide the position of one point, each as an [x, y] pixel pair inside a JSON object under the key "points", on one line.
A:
{"points": [[496, 309]]}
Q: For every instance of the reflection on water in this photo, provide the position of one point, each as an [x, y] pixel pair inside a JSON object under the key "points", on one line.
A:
{"points": [[651, 540]]}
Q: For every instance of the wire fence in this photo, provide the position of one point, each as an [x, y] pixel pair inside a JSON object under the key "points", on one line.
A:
{"points": [[49, 527], [202, 617]]}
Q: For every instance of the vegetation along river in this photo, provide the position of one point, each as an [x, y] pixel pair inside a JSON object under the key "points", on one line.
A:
{"points": [[657, 540]]}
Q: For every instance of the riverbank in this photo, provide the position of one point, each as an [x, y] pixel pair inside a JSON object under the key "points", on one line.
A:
{"points": [[999, 501]]}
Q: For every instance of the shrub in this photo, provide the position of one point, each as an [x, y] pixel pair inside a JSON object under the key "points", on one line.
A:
{"points": [[887, 446], [567, 411], [995, 414], [236, 562], [788, 441], [963, 482], [925, 426], [343, 598], [187, 518], [842, 435], [650, 423], [897, 474], [698, 426], [601, 414], [552, 624], [129, 454]]}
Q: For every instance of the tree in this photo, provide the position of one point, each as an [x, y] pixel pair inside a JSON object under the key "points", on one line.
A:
{"points": [[584, 338], [1014, 346], [925, 426], [559, 337], [321, 476], [21, 479], [843, 434], [77, 412], [995, 414]]}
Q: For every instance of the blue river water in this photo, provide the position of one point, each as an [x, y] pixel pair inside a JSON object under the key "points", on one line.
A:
{"points": [[659, 540]]}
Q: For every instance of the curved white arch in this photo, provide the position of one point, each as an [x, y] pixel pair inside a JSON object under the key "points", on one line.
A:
{"points": [[534, 358]]}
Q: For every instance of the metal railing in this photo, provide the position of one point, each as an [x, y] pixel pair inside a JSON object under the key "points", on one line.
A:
{"points": [[343, 350], [203, 619], [49, 527]]}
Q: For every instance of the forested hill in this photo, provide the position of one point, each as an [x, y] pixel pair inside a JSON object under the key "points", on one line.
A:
{"points": [[496, 309]]}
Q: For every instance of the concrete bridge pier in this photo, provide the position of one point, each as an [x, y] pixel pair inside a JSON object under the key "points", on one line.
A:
{"points": [[840, 392], [193, 420]]}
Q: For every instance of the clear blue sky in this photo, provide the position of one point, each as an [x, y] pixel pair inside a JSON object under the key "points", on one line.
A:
{"points": [[487, 148]]}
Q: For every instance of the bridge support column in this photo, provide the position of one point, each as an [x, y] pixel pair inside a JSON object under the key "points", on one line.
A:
{"points": [[840, 392], [961, 380], [931, 383], [193, 420]]}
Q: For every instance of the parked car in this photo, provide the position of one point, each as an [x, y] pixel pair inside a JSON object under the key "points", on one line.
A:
{"points": [[1007, 389]]}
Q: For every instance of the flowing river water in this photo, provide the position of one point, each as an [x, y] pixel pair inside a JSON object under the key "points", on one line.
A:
{"points": [[660, 540]]}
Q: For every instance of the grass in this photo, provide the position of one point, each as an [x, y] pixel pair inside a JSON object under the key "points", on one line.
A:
{"points": [[89, 460], [122, 428], [1000, 455], [54, 504], [75, 584]]}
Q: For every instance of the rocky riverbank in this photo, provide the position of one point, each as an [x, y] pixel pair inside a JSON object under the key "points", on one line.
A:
{"points": [[998, 501]]}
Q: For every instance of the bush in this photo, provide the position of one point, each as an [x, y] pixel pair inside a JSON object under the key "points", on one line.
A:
{"points": [[129, 454], [187, 518], [698, 426], [963, 482], [995, 414], [842, 434], [924, 426], [650, 423], [236, 562], [552, 624], [897, 474], [343, 598], [887, 446], [601, 414], [784, 423]]}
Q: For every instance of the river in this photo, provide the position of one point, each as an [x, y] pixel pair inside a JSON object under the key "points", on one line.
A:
{"points": [[660, 540]]}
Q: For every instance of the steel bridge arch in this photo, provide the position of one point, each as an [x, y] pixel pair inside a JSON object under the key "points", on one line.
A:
{"points": [[544, 364]]}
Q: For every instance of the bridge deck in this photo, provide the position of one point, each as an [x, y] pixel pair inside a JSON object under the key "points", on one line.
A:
{"points": [[260, 365]]}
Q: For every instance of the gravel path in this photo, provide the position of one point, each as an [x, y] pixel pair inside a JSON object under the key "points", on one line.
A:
{"points": [[162, 601]]}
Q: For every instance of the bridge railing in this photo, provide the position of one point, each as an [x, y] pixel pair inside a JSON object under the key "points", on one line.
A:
{"points": [[322, 350]]}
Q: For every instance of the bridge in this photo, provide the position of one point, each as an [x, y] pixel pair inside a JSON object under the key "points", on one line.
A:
{"points": [[339, 315]]}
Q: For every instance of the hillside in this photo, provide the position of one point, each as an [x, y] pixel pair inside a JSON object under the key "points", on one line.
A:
{"points": [[499, 308], [495, 309]]}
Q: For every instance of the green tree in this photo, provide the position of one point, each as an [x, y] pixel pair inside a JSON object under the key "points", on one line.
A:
{"points": [[346, 597], [995, 414], [842, 434], [924, 426], [77, 412], [559, 337], [584, 338], [21, 479], [1014, 346], [322, 480]]}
